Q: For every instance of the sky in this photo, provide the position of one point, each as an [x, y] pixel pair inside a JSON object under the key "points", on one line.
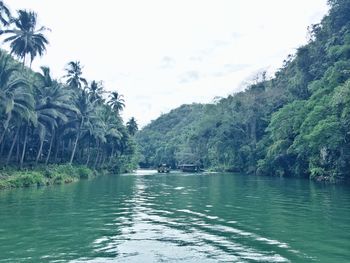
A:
{"points": [[163, 53]]}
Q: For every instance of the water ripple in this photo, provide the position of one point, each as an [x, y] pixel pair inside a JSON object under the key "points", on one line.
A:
{"points": [[148, 217]]}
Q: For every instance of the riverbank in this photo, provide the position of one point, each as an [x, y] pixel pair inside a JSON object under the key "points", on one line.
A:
{"points": [[317, 177], [44, 175]]}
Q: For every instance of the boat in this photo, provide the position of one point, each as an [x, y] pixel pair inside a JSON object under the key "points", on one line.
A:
{"points": [[163, 168]]}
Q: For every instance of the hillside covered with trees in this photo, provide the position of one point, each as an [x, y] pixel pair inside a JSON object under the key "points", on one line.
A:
{"points": [[294, 124], [45, 121]]}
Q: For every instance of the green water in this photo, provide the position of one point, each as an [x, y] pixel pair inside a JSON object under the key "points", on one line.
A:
{"points": [[147, 217]]}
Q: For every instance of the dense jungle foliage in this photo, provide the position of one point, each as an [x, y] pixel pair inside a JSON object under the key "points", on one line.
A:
{"points": [[45, 121], [294, 124]]}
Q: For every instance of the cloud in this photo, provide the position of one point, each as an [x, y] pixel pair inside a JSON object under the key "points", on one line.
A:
{"points": [[230, 68], [196, 58], [189, 76], [214, 46], [236, 35], [167, 63]]}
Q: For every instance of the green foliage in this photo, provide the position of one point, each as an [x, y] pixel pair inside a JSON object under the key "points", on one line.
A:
{"points": [[61, 171], [295, 124], [84, 172], [25, 38], [45, 175], [131, 126], [24, 179], [47, 122]]}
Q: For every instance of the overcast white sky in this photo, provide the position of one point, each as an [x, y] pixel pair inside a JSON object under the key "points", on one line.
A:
{"points": [[164, 53]]}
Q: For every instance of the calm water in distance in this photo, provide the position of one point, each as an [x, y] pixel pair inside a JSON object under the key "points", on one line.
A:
{"points": [[148, 217]]}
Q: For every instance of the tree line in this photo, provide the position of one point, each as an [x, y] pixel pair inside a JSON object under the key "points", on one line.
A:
{"points": [[47, 121], [296, 123]]}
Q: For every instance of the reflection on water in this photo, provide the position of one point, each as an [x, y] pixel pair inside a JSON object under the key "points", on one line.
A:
{"points": [[150, 217]]}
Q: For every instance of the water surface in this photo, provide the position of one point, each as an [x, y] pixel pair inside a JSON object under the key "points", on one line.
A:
{"points": [[149, 217]]}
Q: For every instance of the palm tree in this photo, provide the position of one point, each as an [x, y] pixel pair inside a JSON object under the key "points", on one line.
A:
{"points": [[84, 119], [53, 104], [5, 14], [24, 117], [96, 91], [132, 127], [45, 78], [112, 127], [25, 39], [98, 132], [116, 101], [15, 94], [74, 75]]}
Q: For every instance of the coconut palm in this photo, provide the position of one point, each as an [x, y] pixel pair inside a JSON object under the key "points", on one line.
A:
{"points": [[53, 105], [96, 91], [74, 75], [25, 39], [24, 118], [112, 127], [116, 101], [84, 119], [16, 98], [5, 14], [44, 78], [132, 127], [16, 104], [98, 131]]}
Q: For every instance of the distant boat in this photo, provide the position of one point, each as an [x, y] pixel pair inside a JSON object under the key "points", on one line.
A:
{"points": [[189, 168], [163, 168]]}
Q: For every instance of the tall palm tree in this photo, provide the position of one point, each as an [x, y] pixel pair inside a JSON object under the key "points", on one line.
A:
{"points": [[25, 38], [15, 93], [132, 127], [116, 101], [112, 127], [53, 105], [96, 91], [74, 75], [84, 119], [45, 78], [5, 14]]}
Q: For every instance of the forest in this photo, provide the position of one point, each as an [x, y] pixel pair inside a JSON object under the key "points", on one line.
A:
{"points": [[293, 124], [53, 125]]}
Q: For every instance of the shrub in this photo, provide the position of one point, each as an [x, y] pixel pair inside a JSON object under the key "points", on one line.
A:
{"points": [[84, 172], [3, 184], [20, 179]]}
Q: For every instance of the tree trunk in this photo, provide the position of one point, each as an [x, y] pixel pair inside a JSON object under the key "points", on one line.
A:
{"points": [[63, 150], [74, 148], [103, 160], [39, 152], [76, 141], [97, 156], [89, 152], [111, 157], [69, 147], [2, 148], [50, 147], [57, 148], [96, 160], [12, 146], [6, 125], [18, 150], [24, 147]]}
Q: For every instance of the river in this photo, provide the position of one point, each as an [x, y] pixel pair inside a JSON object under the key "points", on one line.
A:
{"points": [[149, 217]]}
